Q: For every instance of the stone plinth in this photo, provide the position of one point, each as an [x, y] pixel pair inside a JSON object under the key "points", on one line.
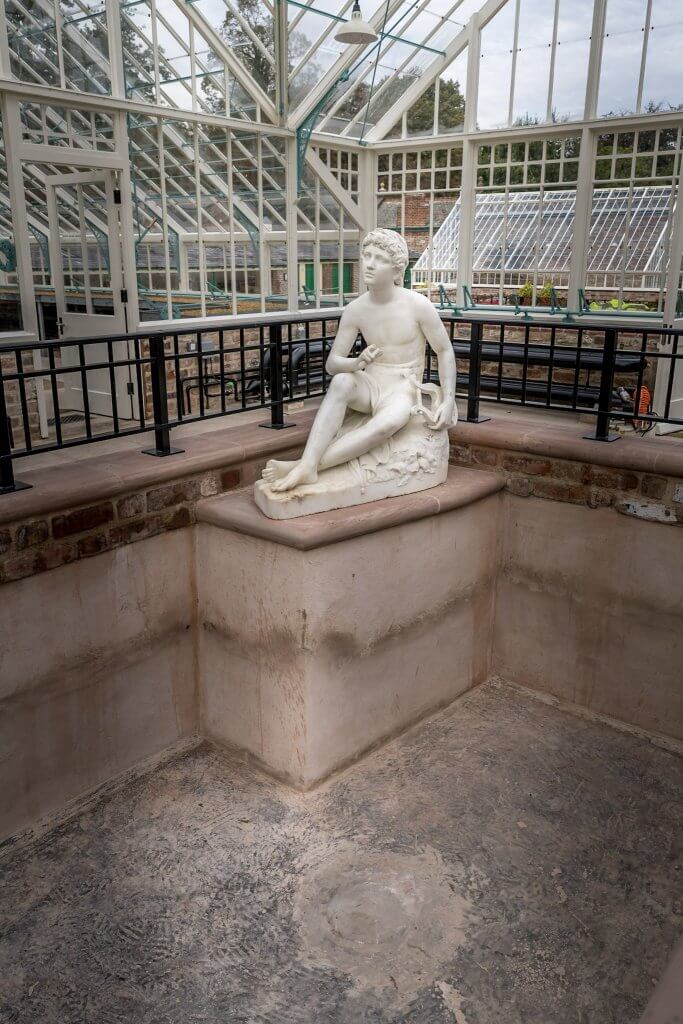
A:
{"points": [[321, 636]]}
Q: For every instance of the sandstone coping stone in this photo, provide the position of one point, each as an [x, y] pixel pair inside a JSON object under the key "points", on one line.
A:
{"points": [[101, 476], [653, 455], [238, 511]]}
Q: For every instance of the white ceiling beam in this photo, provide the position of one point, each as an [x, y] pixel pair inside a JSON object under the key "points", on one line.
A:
{"points": [[334, 187], [342, 64], [223, 51], [89, 101], [421, 84]]}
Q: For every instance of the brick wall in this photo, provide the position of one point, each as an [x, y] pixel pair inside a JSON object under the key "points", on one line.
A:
{"points": [[579, 483], [35, 545]]}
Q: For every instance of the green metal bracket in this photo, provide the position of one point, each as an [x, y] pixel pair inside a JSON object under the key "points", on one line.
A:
{"points": [[43, 243], [305, 130], [251, 230], [102, 242], [8, 250]]}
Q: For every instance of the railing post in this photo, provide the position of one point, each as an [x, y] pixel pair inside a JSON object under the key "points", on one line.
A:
{"points": [[474, 375], [162, 435], [7, 481], [276, 370], [606, 384]]}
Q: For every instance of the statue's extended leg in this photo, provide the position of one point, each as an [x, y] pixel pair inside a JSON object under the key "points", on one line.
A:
{"points": [[363, 439], [346, 390]]}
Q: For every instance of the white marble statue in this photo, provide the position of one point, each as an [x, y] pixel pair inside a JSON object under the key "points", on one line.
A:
{"points": [[379, 431]]}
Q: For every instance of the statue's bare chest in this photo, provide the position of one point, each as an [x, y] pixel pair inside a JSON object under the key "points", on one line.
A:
{"points": [[395, 331]]}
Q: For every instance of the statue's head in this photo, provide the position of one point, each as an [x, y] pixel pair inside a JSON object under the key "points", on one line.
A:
{"points": [[393, 246]]}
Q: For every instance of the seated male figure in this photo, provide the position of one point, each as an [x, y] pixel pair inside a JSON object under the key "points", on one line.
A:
{"points": [[380, 383]]}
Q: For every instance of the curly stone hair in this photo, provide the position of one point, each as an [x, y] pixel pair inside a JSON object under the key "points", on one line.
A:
{"points": [[393, 245]]}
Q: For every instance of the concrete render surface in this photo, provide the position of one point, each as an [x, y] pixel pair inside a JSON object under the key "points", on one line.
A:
{"points": [[504, 861]]}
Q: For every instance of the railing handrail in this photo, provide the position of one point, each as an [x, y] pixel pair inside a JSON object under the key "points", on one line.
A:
{"points": [[176, 328], [249, 321]]}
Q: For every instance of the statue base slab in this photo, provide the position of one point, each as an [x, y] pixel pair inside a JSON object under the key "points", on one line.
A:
{"points": [[324, 635], [416, 459]]}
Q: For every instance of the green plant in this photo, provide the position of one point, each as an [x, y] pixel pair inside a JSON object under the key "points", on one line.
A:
{"points": [[546, 291], [526, 291]]}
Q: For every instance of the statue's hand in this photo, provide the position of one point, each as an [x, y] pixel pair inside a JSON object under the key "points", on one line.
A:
{"points": [[446, 414], [368, 355]]}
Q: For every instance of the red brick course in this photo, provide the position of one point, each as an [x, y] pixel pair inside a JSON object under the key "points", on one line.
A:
{"points": [[578, 483], [37, 545]]}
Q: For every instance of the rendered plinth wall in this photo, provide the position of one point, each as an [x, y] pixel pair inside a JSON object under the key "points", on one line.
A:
{"points": [[309, 657], [590, 610], [96, 672]]}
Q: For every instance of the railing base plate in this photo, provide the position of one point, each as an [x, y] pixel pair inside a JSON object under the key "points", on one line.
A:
{"points": [[160, 454], [479, 419], [19, 485], [277, 426], [610, 437]]}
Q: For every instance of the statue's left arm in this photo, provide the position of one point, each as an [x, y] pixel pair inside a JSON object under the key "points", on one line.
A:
{"points": [[437, 336]]}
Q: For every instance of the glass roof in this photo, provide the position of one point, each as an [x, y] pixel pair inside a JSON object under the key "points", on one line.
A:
{"points": [[221, 56]]}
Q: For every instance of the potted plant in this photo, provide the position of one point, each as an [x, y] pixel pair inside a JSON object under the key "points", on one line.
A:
{"points": [[526, 293]]}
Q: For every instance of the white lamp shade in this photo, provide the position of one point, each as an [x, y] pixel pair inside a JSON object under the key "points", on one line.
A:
{"points": [[355, 31]]}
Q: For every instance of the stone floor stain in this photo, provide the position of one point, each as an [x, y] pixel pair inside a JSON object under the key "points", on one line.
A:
{"points": [[502, 863]]}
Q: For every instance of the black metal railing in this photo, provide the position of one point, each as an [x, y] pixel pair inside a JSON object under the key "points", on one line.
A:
{"points": [[104, 388]]}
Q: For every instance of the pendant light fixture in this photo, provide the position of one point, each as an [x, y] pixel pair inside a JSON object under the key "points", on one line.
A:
{"points": [[355, 31]]}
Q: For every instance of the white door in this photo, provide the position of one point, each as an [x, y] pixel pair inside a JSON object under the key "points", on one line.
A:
{"points": [[85, 262]]}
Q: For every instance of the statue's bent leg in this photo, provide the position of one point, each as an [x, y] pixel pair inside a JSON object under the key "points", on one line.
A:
{"points": [[383, 425], [346, 391]]}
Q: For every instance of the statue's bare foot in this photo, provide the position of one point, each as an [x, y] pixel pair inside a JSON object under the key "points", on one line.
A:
{"points": [[302, 473], [275, 469]]}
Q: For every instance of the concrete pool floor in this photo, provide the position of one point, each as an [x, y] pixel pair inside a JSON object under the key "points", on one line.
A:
{"points": [[504, 862]]}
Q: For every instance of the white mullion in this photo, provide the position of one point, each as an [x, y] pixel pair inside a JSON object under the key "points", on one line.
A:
{"points": [[583, 209], [281, 41], [673, 270], [626, 239], [20, 220], [193, 67], [537, 238], [430, 238], [116, 72], [317, 265], [5, 57], [58, 37], [553, 54], [513, 69], [231, 221], [291, 224], [125, 219], [595, 59], [259, 207], [200, 222], [155, 52], [164, 219], [468, 190], [643, 58]]}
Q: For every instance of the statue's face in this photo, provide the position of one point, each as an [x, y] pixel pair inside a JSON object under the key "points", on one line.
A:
{"points": [[378, 268]]}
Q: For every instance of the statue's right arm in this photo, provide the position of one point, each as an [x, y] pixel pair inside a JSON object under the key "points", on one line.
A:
{"points": [[338, 360]]}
